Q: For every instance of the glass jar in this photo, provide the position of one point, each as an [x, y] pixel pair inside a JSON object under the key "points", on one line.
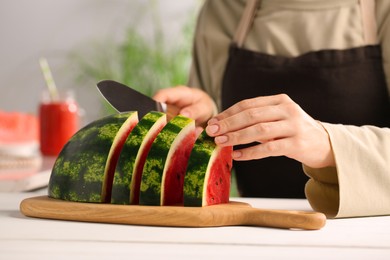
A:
{"points": [[59, 121]]}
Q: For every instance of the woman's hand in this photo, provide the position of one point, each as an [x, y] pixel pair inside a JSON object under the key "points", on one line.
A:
{"points": [[192, 102], [281, 127]]}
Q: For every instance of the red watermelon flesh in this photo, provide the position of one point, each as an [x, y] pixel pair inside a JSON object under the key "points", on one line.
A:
{"points": [[173, 178], [18, 128], [217, 188]]}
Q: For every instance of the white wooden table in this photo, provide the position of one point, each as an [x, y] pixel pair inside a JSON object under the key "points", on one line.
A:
{"points": [[28, 238]]}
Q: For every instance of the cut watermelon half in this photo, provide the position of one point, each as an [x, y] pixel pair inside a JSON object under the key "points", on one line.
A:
{"points": [[84, 168], [131, 162], [151, 162], [165, 165], [207, 180]]}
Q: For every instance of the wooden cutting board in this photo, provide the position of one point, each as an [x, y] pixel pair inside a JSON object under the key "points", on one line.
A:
{"points": [[230, 214]]}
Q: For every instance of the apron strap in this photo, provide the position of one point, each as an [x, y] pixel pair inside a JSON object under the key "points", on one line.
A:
{"points": [[367, 8], [246, 21]]}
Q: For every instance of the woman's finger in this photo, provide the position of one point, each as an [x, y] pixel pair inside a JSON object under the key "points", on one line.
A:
{"points": [[272, 148], [246, 118], [179, 96], [198, 111], [261, 132], [253, 103]]}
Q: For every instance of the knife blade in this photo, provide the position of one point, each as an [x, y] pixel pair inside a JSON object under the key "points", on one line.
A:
{"points": [[124, 98]]}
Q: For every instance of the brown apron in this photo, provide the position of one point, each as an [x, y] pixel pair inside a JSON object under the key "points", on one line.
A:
{"points": [[335, 86]]}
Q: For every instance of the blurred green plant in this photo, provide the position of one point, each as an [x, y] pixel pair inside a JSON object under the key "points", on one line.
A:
{"points": [[144, 64]]}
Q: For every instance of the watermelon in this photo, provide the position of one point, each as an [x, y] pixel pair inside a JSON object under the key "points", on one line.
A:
{"points": [[160, 164], [131, 162], [84, 169], [165, 165], [207, 180]]}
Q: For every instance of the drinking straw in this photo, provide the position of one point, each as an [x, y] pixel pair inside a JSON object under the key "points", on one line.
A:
{"points": [[48, 79]]}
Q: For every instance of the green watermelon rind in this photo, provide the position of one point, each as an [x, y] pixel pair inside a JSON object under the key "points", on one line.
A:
{"points": [[152, 177], [134, 146], [78, 171], [199, 164]]}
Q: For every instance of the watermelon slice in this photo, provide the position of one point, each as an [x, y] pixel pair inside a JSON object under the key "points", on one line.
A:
{"points": [[165, 165], [207, 180], [19, 135], [131, 162], [18, 128], [85, 167]]}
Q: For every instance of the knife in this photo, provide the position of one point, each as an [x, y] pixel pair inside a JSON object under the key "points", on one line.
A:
{"points": [[123, 98]]}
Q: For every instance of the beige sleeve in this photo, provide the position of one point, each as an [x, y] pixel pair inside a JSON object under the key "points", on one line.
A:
{"points": [[383, 21], [360, 186]]}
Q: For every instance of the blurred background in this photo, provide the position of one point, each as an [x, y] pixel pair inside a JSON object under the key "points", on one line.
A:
{"points": [[143, 43]]}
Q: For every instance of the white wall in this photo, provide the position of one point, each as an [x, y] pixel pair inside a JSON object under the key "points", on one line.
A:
{"points": [[30, 29]]}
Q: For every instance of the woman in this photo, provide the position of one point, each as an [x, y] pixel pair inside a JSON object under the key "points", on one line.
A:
{"points": [[301, 85]]}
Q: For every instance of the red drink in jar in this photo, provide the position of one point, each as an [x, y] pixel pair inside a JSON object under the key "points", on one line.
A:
{"points": [[59, 120]]}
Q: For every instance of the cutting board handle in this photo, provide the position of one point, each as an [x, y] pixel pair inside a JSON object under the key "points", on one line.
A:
{"points": [[289, 219]]}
